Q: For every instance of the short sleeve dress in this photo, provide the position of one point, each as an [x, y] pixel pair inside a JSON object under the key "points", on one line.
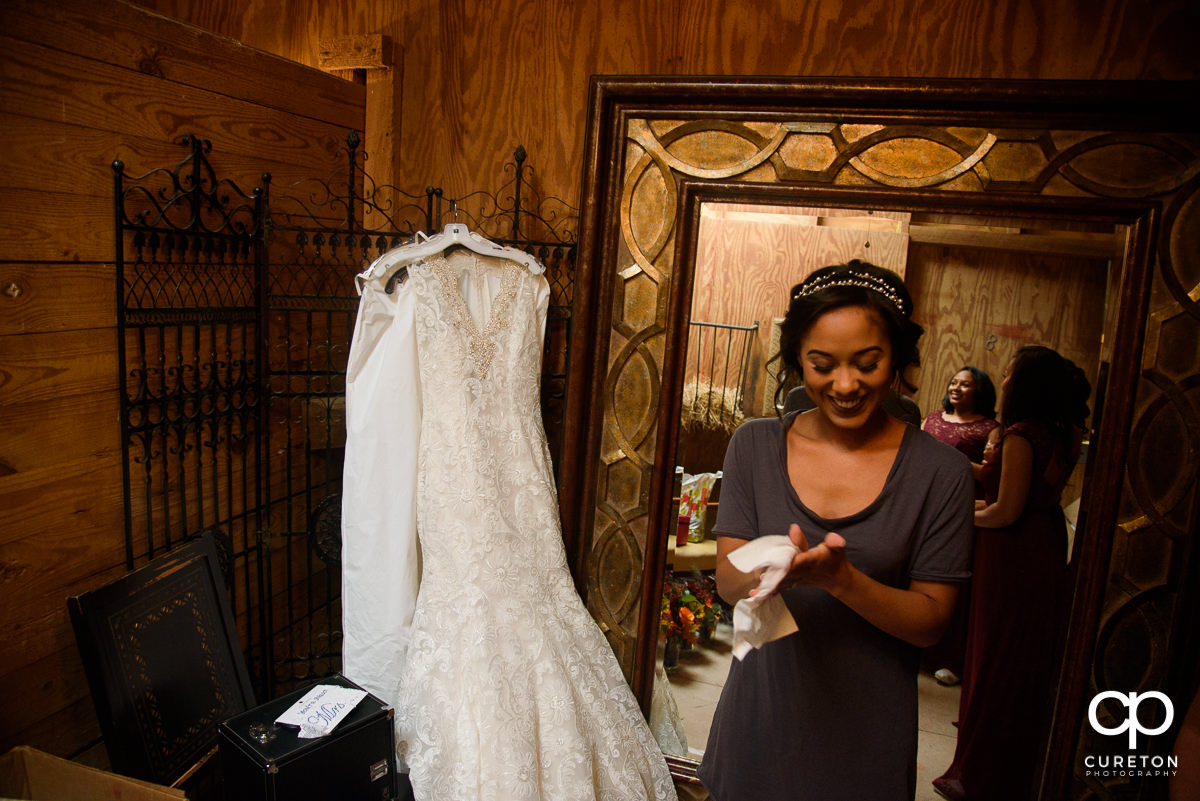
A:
{"points": [[970, 438], [1018, 596], [830, 712]]}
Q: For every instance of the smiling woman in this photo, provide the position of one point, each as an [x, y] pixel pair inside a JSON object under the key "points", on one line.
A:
{"points": [[879, 515], [967, 415], [844, 383]]}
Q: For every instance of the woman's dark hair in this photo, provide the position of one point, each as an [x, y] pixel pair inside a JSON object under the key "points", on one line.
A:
{"points": [[856, 283], [1046, 387], [985, 393]]}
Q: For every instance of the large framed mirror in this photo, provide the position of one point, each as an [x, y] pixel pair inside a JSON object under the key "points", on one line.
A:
{"points": [[1088, 192], [988, 275]]}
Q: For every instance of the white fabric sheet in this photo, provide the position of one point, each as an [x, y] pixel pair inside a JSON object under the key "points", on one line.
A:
{"points": [[763, 616]]}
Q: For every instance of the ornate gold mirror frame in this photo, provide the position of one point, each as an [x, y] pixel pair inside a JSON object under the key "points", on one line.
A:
{"points": [[1119, 153]]}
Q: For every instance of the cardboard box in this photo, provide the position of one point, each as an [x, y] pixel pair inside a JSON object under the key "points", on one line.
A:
{"points": [[28, 773]]}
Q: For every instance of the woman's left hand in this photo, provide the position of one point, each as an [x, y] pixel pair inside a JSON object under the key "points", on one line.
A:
{"points": [[823, 565]]}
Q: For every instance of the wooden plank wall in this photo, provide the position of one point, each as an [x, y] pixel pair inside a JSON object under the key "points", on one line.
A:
{"points": [[480, 77], [84, 82]]}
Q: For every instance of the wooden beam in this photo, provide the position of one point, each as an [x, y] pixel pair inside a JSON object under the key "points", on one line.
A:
{"points": [[371, 51], [1062, 243]]}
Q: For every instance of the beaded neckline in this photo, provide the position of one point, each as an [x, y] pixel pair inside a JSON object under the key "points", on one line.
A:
{"points": [[480, 345]]}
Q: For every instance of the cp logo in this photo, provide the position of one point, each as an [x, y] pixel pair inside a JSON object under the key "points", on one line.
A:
{"points": [[1132, 723]]}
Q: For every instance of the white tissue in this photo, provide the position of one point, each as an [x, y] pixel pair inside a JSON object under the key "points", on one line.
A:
{"points": [[763, 616], [321, 709]]}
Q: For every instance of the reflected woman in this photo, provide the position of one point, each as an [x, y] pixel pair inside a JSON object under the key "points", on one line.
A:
{"points": [[968, 414], [1020, 582], [966, 421], [880, 514]]}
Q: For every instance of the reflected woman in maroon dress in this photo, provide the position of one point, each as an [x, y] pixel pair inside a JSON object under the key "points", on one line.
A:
{"points": [[1019, 582], [968, 414], [965, 421]]}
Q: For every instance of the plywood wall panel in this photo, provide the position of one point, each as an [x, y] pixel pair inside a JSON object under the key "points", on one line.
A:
{"points": [[979, 307], [26, 641], [84, 157], [69, 539], [41, 367], [749, 259], [129, 103], [31, 227], [87, 493], [39, 297], [479, 78], [934, 38]]}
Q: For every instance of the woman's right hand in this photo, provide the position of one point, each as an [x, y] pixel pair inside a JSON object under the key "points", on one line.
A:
{"points": [[1016, 471]]}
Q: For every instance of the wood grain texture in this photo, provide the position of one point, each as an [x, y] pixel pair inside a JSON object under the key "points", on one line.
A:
{"points": [[72, 427], [370, 52], [44, 297], [45, 86], [58, 364], [480, 78], [82, 164], [83, 83], [750, 257], [67, 533], [122, 36], [980, 307]]}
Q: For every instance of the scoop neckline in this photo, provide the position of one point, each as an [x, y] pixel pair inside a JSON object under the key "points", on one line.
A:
{"points": [[786, 424]]}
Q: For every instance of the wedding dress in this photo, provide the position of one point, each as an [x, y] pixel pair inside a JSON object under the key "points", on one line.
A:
{"points": [[508, 689]]}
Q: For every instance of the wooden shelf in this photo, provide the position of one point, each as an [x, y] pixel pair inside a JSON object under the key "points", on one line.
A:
{"points": [[700, 556]]}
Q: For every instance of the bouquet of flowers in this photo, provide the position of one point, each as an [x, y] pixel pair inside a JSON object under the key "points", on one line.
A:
{"points": [[677, 620], [690, 609], [709, 606]]}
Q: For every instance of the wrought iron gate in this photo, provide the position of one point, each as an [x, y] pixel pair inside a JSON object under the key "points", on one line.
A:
{"points": [[235, 313]]}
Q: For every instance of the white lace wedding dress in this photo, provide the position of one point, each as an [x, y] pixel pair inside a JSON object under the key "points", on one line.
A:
{"points": [[509, 690]]}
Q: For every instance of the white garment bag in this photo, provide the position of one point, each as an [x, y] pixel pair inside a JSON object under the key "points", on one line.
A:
{"points": [[380, 559]]}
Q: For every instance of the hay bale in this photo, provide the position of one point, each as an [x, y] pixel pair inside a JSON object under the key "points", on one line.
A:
{"points": [[706, 406]]}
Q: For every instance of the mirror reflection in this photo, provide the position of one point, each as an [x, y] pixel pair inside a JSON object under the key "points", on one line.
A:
{"points": [[982, 289]]}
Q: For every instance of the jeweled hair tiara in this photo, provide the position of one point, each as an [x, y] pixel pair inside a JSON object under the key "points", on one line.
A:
{"points": [[854, 278]]}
